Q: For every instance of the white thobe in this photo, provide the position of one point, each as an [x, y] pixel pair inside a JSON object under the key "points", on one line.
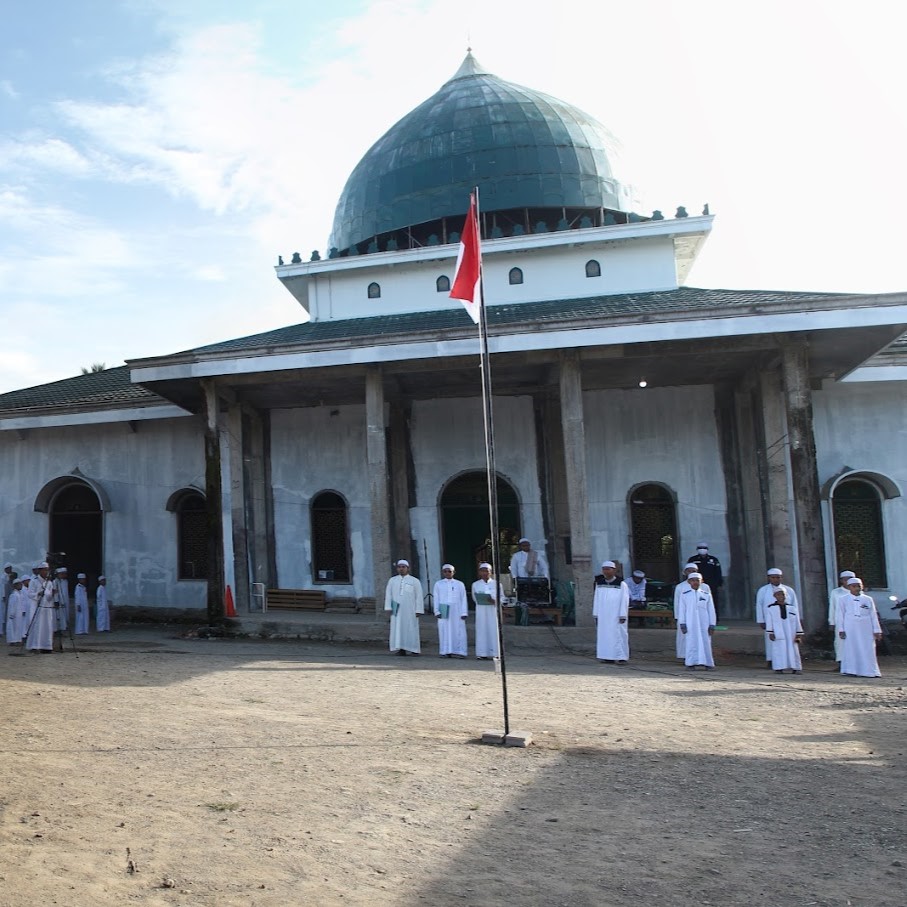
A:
{"points": [[81, 609], [765, 596], [519, 566], [5, 589], [610, 603], [783, 649], [451, 609], [486, 618], [681, 640], [834, 599], [102, 609], [16, 614], [406, 593], [859, 621], [41, 634], [61, 597], [637, 590], [697, 613]]}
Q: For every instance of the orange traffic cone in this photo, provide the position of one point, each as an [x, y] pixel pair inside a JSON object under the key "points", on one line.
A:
{"points": [[229, 608]]}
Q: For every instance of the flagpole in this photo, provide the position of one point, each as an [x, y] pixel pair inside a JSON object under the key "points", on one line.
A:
{"points": [[488, 412]]}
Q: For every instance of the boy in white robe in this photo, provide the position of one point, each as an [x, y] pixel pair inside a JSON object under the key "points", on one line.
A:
{"points": [[404, 598], [765, 596], [679, 589], [485, 594], [859, 629], [834, 597], [610, 604], [61, 598], [451, 609], [102, 609], [16, 610], [6, 588], [697, 620], [81, 598], [40, 636], [785, 631]]}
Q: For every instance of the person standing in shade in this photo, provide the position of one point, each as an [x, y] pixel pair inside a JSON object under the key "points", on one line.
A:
{"points": [[486, 592], [527, 563], [710, 568], [16, 611], [451, 609], [6, 588], [61, 598], [859, 629], [81, 598], [679, 589], [40, 636], [610, 604], [697, 623], [405, 601], [785, 631], [765, 597], [102, 608], [834, 597]]}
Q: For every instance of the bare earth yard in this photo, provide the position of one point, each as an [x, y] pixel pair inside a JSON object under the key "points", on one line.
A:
{"points": [[277, 773]]}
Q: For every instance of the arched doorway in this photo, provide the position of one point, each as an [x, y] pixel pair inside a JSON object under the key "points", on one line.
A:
{"points": [[859, 537], [653, 532], [76, 523], [465, 530]]}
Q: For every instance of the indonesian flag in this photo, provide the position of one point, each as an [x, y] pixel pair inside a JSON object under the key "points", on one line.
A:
{"points": [[467, 285]]}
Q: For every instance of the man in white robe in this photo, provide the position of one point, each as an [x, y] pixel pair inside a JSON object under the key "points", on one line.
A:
{"points": [[451, 609], [785, 631], [834, 598], [102, 609], [6, 588], [765, 596], [610, 604], [81, 599], [697, 620], [680, 639], [61, 598], [43, 621], [405, 601], [527, 563], [485, 593], [16, 611], [859, 629]]}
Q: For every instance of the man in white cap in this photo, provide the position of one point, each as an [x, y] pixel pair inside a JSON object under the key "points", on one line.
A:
{"points": [[697, 621], [527, 563], [834, 598], [610, 604], [766, 596], [41, 620], [16, 611], [102, 609], [636, 585], [451, 609], [710, 568], [859, 629], [405, 601], [6, 587], [680, 641], [81, 598], [61, 598], [485, 593], [785, 631]]}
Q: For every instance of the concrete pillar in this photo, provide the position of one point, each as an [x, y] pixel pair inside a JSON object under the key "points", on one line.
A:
{"points": [[773, 473], [235, 445], [214, 503], [257, 496], [755, 560], [376, 454], [400, 470], [804, 472], [573, 427]]}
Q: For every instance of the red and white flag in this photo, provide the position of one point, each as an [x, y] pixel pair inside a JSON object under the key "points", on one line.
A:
{"points": [[467, 286]]}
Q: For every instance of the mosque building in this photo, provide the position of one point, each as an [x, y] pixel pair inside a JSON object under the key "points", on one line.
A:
{"points": [[635, 416]]}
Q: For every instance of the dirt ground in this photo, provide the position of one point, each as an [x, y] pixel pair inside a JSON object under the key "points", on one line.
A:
{"points": [[277, 773]]}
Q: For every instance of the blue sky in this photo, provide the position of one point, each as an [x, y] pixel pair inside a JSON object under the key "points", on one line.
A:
{"points": [[156, 156]]}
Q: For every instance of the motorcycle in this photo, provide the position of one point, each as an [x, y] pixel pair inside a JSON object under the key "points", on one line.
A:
{"points": [[901, 608]]}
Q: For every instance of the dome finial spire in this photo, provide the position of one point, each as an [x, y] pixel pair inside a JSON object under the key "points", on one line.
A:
{"points": [[469, 67]]}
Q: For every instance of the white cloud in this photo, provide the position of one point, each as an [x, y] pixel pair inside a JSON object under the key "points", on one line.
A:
{"points": [[9, 90], [45, 154]]}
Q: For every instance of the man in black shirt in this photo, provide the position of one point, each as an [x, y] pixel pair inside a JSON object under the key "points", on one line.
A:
{"points": [[710, 568]]}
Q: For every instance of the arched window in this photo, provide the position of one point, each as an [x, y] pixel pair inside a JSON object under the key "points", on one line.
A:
{"points": [[859, 539], [516, 276], [330, 539], [653, 531], [593, 268], [191, 533], [374, 290], [442, 284]]}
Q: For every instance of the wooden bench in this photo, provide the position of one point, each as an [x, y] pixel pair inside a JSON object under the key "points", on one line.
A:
{"points": [[661, 614], [295, 600]]}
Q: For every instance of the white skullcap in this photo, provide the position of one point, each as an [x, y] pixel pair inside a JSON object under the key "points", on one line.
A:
{"points": [[846, 574], [774, 571], [25, 576], [485, 564], [81, 576], [695, 576], [702, 544], [609, 564], [524, 540], [402, 563], [854, 580], [690, 566], [101, 577], [447, 566], [62, 570], [7, 564], [638, 573], [42, 565]]}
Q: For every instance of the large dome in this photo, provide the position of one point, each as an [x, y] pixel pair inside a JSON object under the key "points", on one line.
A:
{"points": [[533, 157]]}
